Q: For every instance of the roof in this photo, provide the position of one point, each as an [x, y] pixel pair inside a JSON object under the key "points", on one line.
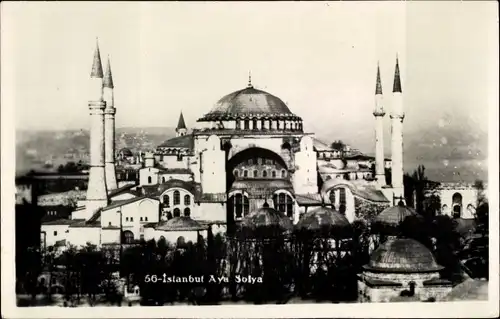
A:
{"points": [[185, 141], [124, 202], [176, 170], [470, 289], [308, 199], [180, 224], [120, 190], [323, 218], [181, 124], [96, 64], [156, 190], [213, 198], [86, 224], [321, 146], [62, 221], [366, 192], [402, 255], [261, 186], [397, 79], [265, 217], [394, 215], [248, 102], [64, 198], [108, 77]]}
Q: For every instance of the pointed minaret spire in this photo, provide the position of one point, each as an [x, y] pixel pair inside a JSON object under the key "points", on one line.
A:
{"points": [[181, 129], [397, 80], [378, 88], [97, 65], [108, 76], [250, 79]]}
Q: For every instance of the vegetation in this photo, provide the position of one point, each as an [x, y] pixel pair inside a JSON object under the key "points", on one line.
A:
{"points": [[338, 145]]}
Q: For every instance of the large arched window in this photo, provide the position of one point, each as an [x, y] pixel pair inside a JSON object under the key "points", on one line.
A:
{"points": [[245, 173], [241, 206], [187, 212], [255, 173], [187, 200], [128, 237], [342, 201], [163, 179], [254, 124], [177, 198], [177, 212], [166, 200], [264, 173], [332, 197], [283, 203], [273, 174], [457, 205], [247, 124]]}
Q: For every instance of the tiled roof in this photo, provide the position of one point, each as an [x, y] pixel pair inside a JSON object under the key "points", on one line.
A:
{"points": [[265, 217], [308, 199], [395, 215], [248, 101], [366, 192], [402, 255], [63, 221], [89, 224], [323, 218], [186, 141], [156, 190], [119, 203], [213, 198], [180, 224]]}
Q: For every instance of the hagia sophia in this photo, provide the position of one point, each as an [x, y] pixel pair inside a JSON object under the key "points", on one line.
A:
{"points": [[248, 155]]}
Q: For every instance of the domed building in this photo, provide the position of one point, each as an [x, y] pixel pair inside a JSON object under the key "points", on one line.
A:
{"points": [[402, 267]]}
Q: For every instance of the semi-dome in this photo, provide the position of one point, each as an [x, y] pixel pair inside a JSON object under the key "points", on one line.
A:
{"points": [[402, 255], [395, 215], [249, 103], [266, 217], [323, 218]]}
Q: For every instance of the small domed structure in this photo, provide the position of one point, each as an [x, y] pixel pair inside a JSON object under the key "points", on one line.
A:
{"points": [[395, 215], [402, 255], [324, 218], [266, 217], [402, 267], [182, 223]]}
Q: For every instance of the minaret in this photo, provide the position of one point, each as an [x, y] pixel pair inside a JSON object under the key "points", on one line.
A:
{"points": [[96, 192], [397, 117], [181, 129], [379, 114], [109, 129]]}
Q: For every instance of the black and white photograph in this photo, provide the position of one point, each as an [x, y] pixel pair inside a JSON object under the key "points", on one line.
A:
{"points": [[225, 158]]}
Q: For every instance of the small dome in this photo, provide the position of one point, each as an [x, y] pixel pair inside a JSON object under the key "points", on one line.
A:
{"points": [[394, 215], [249, 102], [180, 224], [266, 217], [402, 255], [126, 152], [323, 218]]}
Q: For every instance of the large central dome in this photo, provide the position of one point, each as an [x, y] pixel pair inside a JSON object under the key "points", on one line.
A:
{"points": [[249, 103]]}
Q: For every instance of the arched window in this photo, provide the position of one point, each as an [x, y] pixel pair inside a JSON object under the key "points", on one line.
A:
{"points": [[166, 200], [140, 219], [162, 238], [255, 173], [187, 200], [250, 161], [187, 212], [283, 203], [150, 180], [283, 173], [145, 219], [177, 198], [264, 174], [254, 124], [457, 205], [273, 174], [238, 125], [245, 173], [247, 124], [332, 197], [128, 237], [177, 212], [163, 179], [241, 205], [342, 200], [235, 173]]}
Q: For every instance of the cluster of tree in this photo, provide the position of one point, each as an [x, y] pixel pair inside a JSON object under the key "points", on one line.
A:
{"points": [[72, 167], [338, 145]]}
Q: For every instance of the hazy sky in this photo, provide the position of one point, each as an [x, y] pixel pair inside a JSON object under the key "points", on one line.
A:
{"points": [[320, 58]]}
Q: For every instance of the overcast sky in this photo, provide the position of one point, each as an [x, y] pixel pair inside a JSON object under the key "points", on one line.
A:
{"points": [[320, 58]]}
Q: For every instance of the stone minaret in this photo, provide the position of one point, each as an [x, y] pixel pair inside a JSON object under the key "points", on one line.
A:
{"points": [[397, 116], [379, 114], [181, 129], [96, 192], [109, 129]]}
